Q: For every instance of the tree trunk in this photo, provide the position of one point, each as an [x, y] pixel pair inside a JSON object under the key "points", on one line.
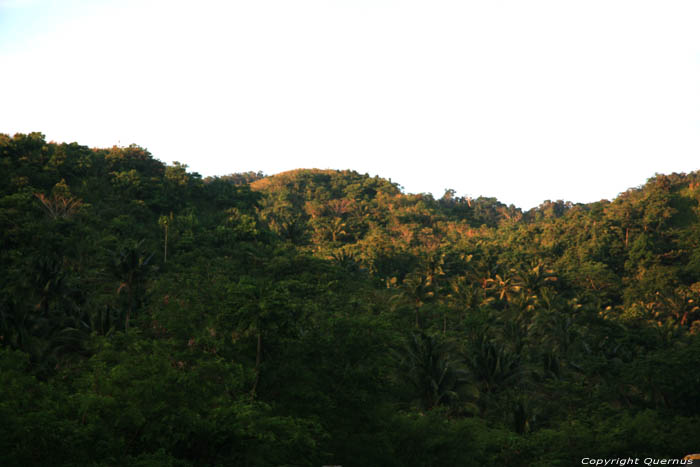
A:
{"points": [[128, 311], [258, 359]]}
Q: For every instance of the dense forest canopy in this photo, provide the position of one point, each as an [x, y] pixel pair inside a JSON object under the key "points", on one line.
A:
{"points": [[149, 316]]}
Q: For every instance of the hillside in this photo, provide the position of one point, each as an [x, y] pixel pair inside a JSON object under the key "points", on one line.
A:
{"points": [[152, 317]]}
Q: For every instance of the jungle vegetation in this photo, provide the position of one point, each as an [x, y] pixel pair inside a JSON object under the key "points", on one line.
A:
{"points": [[150, 316]]}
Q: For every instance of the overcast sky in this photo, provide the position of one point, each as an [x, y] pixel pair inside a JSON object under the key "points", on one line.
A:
{"points": [[521, 100]]}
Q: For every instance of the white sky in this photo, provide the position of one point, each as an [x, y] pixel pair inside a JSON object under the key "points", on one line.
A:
{"points": [[522, 100]]}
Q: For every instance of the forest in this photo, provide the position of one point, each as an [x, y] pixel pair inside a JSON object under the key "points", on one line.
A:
{"points": [[153, 317]]}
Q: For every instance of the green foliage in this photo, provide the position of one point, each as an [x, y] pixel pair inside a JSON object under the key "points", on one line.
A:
{"points": [[434, 375], [322, 317]]}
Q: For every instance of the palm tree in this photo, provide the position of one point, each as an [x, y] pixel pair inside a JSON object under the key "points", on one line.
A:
{"points": [[59, 206], [418, 289], [435, 377], [464, 294], [50, 326], [493, 364], [556, 330], [333, 227], [502, 287], [682, 305], [165, 222], [130, 267], [266, 304], [536, 277]]}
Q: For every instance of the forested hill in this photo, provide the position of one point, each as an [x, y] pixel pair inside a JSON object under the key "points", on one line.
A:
{"points": [[149, 316]]}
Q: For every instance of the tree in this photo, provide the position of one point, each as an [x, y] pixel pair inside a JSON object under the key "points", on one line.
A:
{"points": [[164, 222], [130, 268], [436, 378]]}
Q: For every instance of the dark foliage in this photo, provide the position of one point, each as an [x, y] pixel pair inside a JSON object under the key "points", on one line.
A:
{"points": [[149, 317]]}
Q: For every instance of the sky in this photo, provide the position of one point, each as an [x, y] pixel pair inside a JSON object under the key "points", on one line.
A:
{"points": [[521, 100]]}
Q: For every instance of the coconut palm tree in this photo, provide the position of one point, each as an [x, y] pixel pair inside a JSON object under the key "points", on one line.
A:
{"points": [[130, 267], [493, 365], [503, 288], [436, 378]]}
